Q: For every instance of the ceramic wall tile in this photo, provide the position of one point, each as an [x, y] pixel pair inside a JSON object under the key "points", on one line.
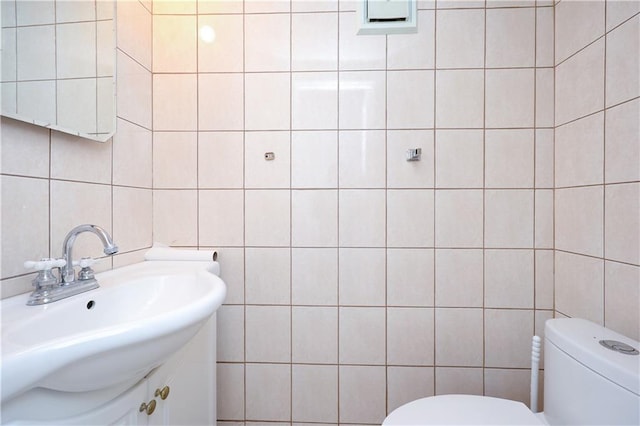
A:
{"points": [[134, 91], [220, 160], [267, 42], [25, 149], [361, 159], [622, 143], [230, 333], [175, 157], [224, 52], [230, 402], [509, 158], [314, 335], [267, 105], [409, 174], [413, 51], [356, 52], [315, 393], [508, 279], [460, 38], [410, 99], [358, 227], [620, 11], [580, 84], [267, 276], [134, 31], [410, 277], [314, 100], [459, 278], [132, 208], [175, 102], [175, 217], [69, 208], [509, 218], [579, 286], [25, 226], [361, 336], [511, 37], [455, 327], [410, 213], [459, 158], [361, 276], [314, 218], [215, 115], [622, 223], [314, 276], [406, 384], [267, 218], [314, 40], [460, 98], [260, 173], [622, 292], [356, 88], [507, 337], [367, 386], [410, 336], [622, 63], [314, 159], [454, 229], [268, 379], [577, 25], [579, 152], [268, 333], [510, 98], [579, 220], [459, 380], [220, 217]]}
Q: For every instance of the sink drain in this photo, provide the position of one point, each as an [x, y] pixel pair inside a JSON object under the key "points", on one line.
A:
{"points": [[91, 304]]}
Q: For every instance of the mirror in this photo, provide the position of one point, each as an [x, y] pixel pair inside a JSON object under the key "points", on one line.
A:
{"points": [[58, 65]]}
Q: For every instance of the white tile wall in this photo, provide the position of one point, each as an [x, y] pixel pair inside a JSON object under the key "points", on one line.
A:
{"points": [[406, 384], [337, 249]]}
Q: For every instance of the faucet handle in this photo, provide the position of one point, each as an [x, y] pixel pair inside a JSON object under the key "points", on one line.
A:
{"points": [[85, 262], [45, 277], [44, 264], [86, 273]]}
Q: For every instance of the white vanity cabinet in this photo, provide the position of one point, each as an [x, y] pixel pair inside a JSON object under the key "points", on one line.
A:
{"points": [[187, 381], [187, 384]]}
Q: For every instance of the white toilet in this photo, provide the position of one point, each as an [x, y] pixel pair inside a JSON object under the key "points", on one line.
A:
{"points": [[592, 377]]}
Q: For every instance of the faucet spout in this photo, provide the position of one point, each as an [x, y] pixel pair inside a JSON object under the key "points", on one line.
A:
{"points": [[110, 248]]}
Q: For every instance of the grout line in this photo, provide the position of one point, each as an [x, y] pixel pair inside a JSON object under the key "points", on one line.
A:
{"points": [[484, 198]]}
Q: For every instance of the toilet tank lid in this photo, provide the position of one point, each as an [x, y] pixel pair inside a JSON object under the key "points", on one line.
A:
{"points": [[580, 339]]}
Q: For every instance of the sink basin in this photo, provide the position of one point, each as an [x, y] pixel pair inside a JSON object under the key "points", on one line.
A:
{"points": [[110, 336]]}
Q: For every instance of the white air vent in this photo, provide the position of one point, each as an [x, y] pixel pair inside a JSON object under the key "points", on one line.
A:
{"points": [[387, 16]]}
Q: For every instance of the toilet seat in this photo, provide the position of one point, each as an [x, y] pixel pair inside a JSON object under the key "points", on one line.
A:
{"points": [[462, 409]]}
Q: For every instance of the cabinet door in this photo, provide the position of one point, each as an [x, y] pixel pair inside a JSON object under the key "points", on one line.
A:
{"points": [[190, 377], [122, 411]]}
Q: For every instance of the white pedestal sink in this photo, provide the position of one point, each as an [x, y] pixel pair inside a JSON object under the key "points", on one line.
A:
{"points": [[110, 337]]}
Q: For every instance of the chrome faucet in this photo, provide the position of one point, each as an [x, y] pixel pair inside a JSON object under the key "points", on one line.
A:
{"points": [[49, 288], [67, 272]]}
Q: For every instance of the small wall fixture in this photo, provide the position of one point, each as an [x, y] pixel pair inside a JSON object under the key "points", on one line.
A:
{"points": [[387, 16], [414, 154]]}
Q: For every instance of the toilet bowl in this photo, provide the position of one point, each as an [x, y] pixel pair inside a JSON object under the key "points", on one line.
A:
{"points": [[463, 410], [592, 377]]}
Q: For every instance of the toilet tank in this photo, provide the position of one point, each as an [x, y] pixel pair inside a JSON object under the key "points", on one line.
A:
{"points": [[586, 383]]}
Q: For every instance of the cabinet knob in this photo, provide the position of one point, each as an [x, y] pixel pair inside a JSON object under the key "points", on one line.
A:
{"points": [[149, 407], [164, 393]]}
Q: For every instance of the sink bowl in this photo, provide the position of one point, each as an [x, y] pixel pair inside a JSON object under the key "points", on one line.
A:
{"points": [[110, 336]]}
